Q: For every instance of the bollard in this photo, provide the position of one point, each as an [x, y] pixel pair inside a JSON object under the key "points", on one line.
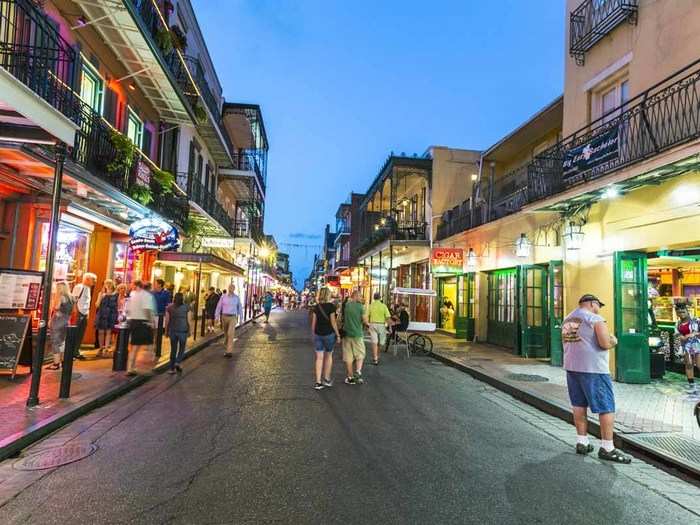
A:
{"points": [[159, 336], [67, 369], [204, 322], [121, 353]]}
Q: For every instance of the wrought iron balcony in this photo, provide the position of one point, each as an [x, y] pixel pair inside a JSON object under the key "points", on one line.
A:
{"points": [[395, 231], [594, 19], [206, 200], [33, 51], [661, 118], [95, 150], [253, 161]]}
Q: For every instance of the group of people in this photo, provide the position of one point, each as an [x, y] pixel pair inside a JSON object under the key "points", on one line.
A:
{"points": [[139, 306], [346, 326]]}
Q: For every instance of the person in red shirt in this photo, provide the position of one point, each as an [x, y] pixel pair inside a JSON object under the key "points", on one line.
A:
{"points": [[688, 331]]}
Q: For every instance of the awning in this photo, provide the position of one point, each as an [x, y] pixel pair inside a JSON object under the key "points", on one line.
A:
{"points": [[212, 261]]}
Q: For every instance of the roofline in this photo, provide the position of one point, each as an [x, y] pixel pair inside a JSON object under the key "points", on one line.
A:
{"points": [[242, 105], [539, 113], [389, 161]]}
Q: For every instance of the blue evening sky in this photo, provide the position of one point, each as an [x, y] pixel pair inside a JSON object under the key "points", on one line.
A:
{"points": [[343, 83]]}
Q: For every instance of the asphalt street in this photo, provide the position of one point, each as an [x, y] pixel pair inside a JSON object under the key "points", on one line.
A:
{"points": [[247, 440]]}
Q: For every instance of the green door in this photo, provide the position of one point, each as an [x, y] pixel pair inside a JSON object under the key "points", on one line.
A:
{"points": [[556, 311], [502, 311], [469, 294], [533, 318], [631, 322]]}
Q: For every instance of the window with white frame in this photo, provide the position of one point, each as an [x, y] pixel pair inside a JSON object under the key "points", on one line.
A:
{"points": [[609, 101], [134, 128], [91, 87]]}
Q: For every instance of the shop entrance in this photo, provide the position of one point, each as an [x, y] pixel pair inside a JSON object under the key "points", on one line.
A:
{"points": [[449, 300], [464, 325], [502, 308], [533, 316], [556, 311]]}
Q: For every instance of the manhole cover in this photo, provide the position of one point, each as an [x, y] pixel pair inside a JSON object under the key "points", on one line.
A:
{"points": [[528, 378], [56, 457], [678, 446]]}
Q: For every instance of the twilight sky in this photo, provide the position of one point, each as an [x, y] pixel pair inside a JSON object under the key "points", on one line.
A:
{"points": [[343, 83]]}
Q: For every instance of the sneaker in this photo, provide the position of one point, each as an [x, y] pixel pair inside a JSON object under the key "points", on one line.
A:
{"points": [[327, 383], [318, 386], [584, 449], [350, 381], [172, 371], [178, 369], [358, 378]]}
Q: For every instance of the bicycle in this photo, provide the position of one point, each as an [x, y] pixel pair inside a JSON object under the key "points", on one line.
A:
{"points": [[420, 343]]}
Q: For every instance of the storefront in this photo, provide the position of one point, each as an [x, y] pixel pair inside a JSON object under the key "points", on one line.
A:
{"points": [[455, 292]]}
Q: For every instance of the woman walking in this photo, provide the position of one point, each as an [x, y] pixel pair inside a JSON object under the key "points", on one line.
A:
{"points": [[210, 302], [325, 329], [107, 316], [177, 326], [58, 324], [267, 306]]}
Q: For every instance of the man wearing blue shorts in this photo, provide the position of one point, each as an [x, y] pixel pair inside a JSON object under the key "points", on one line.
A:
{"points": [[587, 345]]}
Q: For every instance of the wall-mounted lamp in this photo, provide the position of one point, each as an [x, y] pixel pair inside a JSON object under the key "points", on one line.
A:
{"points": [[573, 236], [523, 246], [475, 177], [610, 192], [471, 259]]}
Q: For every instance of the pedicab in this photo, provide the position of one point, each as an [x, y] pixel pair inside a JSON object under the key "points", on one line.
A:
{"points": [[419, 303]]}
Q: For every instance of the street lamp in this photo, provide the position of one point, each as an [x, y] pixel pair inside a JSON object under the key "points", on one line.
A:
{"points": [[523, 246]]}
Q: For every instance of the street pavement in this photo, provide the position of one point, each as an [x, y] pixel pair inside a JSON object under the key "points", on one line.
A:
{"points": [[247, 440]]}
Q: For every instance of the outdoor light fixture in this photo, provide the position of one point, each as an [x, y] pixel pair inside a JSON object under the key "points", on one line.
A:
{"points": [[523, 246], [471, 259], [264, 251], [382, 221], [610, 192], [157, 272], [132, 86], [573, 236], [475, 177], [376, 226]]}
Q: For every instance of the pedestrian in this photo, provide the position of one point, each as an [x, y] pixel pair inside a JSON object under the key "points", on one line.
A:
{"points": [[378, 316], [688, 331], [162, 296], [58, 324], [267, 306], [107, 316], [122, 298], [324, 327], [354, 321], [177, 326], [140, 314], [587, 345], [82, 297], [227, 312], [211, 299]]}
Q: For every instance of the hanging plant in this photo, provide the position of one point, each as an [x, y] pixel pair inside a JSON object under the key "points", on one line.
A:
{"points": [[200, 113], [124, 152], [141, 194], [165, 180], [178, 38], [164, 40]]}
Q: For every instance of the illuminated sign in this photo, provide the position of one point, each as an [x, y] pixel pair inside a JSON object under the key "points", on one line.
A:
{"points": [[447, 260], [218, 242], [153, 234], [345, 280]]}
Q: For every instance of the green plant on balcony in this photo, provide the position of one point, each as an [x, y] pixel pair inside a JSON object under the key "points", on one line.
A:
{"points": [[164, 40], [164, 179], [141, 194], [124, 153], [200, 113], [179, 38]]}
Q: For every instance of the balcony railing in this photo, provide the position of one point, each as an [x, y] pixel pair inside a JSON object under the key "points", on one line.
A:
{"points": [[247, 161], [400, 231], [33, 51], [594, 19], [95, 151], [663, 117], [206, 200]]}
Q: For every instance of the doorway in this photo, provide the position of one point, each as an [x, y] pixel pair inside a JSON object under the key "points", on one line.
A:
{"points": [[449, 300], [533, 311]]}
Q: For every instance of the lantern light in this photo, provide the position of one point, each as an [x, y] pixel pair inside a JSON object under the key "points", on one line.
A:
{"points": [[471, 259], [523, 246], [573, 236]]}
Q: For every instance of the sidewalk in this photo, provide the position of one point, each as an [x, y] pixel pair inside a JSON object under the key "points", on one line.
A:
{"points": [[657, 418], [94, 384]]}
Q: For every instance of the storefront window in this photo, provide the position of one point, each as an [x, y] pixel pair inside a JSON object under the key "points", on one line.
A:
{"points": [[71, 252]]}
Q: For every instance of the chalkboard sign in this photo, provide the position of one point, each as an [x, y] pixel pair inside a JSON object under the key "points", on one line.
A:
{"points": [[14, 336]]}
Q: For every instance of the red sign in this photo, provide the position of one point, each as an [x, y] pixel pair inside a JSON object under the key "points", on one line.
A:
{"points": [[447, 260]]}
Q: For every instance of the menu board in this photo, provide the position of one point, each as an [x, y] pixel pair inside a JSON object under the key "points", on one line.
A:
{"points": [[14, 330], [20, 289]]}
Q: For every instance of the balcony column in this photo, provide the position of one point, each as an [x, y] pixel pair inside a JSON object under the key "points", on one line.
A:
{"points": [[38, 355]]}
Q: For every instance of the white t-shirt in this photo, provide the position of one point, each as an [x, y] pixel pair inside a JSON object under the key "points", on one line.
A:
{"points": [[82, 296], [582, 353]]}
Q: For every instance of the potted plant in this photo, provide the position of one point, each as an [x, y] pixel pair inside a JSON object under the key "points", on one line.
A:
{"points": [[164, 40], [164, 179], [200, 113], [141, 194], [124, 153], [179, 38]]}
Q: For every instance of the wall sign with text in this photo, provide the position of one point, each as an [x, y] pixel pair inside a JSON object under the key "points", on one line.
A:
{"points": [[447, 260], [599, 150], [153, 234]]}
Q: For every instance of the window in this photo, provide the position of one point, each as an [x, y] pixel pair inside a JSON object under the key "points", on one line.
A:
{"points": [[91, 87], [134, 128], [609, 99]]}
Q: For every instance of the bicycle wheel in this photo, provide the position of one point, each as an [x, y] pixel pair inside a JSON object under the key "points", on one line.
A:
{"points": [[428, 348], [419, 344]]}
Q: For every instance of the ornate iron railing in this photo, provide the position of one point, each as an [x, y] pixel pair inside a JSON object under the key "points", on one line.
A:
{"points": [[206, 200], [33, 51], [594, 19], [251, 161]]}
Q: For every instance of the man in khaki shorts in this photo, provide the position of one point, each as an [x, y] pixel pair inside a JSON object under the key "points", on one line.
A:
{"points": [[354, 321], [378, 316]]}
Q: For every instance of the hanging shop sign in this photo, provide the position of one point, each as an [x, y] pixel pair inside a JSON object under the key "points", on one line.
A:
{"points": [[20, 289], [143, 173], [346, 281], [601, 149], [447, 260], [153, 234], [218, 242]]}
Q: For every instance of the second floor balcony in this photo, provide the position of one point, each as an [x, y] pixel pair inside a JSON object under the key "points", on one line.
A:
{"points": [[205, 200], [593, 19]]}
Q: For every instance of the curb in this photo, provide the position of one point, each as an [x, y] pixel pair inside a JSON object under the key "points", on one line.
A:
{"points": [[11, 446], [553, 409]]}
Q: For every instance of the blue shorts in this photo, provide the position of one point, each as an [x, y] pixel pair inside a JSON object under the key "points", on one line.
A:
{"points": [[324, 343], [594, 391]]}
